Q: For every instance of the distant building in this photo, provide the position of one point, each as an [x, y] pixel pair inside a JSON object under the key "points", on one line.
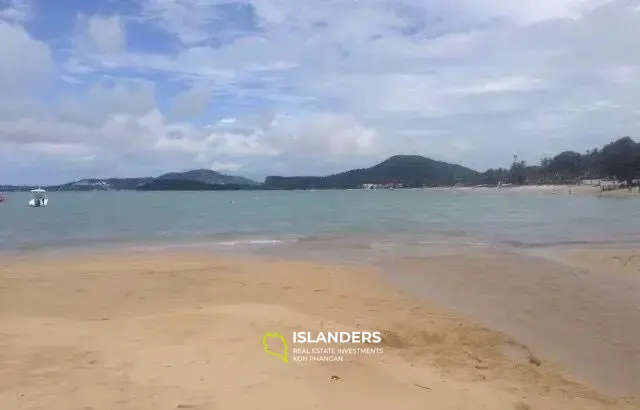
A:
{"points": [[385, 185], [591, 182], [91, 183]]}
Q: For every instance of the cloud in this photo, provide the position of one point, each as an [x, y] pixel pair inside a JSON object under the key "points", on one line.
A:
{"points": [[78, 152], [290, 86], [102, 34], [226, 166], [502, 85], [16, 11], [26, 62], [192, 101], [184, 18]]}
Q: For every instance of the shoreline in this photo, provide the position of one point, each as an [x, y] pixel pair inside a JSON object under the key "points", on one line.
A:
{"points": [[546, 189], [535, 188], [110, 312], [248, 246], [574, 305]]}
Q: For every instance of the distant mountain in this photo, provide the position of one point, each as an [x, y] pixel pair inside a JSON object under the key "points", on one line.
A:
{"points": [[192, 185], [207, 176], [89, 184], [104, 184], [618, 161], [15, 188], [126, 183], [406, 170], [198, 179]]}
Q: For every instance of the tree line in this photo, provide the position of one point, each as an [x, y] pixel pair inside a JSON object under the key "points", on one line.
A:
{"points": [[618, 160]]}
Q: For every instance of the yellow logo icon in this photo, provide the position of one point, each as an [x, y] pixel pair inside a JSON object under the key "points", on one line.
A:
{"points": [[265, 343]]}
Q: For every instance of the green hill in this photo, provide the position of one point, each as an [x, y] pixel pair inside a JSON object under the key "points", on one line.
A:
{"points": [[208, 177], [191, 185], [197, 179], [406, 170]]}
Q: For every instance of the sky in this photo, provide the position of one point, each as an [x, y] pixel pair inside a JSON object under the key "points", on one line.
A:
{"points": [[115, 88]]}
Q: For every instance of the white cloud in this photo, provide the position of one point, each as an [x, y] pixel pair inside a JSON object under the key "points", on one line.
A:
{"points": [[226, 166], [70, 79], [470, 81], [15, 10], [192, 101], [313, 135], [532, 11], [76, 151], [184, 18], [508, 84], [321, 135], [26, 61], [102, 34]]}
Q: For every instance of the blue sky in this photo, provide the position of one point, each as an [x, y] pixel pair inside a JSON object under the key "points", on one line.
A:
{"points": [[285, 87]]}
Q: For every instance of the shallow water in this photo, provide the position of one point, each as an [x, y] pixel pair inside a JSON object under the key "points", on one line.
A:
{"points": [[267, 217]]}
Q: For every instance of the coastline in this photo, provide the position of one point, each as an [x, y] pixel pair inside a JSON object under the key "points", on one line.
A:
{"points": [[547, 189], [182, 330]]}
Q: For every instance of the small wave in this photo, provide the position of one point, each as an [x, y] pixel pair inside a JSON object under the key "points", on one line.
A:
{"points": [[384, 245], [459, 243], [531, 245], [255, 242], [321, 238]]}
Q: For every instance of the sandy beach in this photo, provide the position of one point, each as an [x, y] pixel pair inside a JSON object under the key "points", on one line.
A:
{"points": [[549, 190], [184, 330], [576, 190]]}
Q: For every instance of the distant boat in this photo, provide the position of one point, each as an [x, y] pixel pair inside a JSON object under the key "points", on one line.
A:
{"points": [[39, 198]]}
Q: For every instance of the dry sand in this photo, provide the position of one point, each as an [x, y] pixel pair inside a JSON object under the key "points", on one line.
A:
{"points": [[549, 190], [184, 330], [584, 190]]}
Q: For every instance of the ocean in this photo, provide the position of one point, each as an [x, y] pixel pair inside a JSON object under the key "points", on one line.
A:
{"points": [[357, 218]]}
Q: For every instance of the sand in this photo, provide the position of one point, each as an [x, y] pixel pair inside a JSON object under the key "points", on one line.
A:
{"points": [[581, 314], [184, 330], [549, 190], [619, 261], [586, 190]]}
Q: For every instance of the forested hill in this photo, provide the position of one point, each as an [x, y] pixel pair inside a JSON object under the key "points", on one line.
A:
{"points": [[197, 179], [207, 176], [407, 170], [619, 160]]}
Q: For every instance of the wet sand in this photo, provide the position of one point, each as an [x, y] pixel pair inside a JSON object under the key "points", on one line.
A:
{"points": [[170, 330], [577, 307]]}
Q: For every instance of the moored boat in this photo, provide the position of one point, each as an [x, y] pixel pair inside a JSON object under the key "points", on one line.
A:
{"points": [[39, 198]]}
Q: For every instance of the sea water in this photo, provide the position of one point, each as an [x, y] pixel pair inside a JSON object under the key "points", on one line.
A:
{"points": [[269, 218]]}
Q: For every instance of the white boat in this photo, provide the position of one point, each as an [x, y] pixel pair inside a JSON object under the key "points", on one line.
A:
{"points": [[39, 198]]}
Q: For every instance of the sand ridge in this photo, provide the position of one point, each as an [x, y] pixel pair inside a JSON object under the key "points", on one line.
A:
{"points": [[184, 330]]}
